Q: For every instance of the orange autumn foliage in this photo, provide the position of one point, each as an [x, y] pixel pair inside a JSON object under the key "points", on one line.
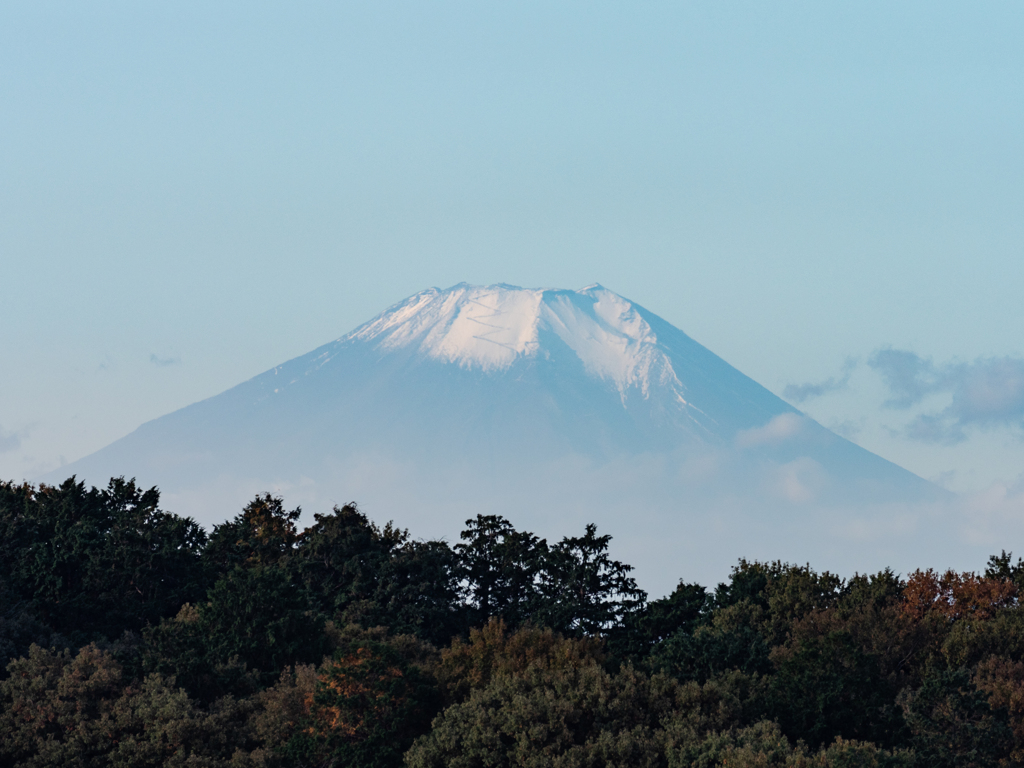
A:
{"points": [[352, 689], [367, 705], [956, 595]]}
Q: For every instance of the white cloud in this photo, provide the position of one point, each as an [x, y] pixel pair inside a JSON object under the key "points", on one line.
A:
{"points": [[797, 481], [994, 516], [780, 429]]}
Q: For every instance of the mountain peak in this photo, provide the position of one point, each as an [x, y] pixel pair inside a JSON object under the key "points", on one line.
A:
{"points": [[491, 328]]}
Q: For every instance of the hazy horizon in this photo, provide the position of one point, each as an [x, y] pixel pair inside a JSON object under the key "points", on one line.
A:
{"points": [[826, 197]]}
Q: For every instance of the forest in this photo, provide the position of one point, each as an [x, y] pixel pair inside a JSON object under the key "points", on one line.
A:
{"points": [[132, 636]]}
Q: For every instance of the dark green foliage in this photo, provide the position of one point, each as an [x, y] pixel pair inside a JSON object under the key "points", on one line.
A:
{"points": [[583, 591], [178, 647], [747, 581], [732, 641], [1001, 566], [59, 709], [355, 571], [971, 642], [492, 651], [785, 592], [19, 626], [827, 686], [680, 612], [794, 592], [953, 725], [255, 622], [502, 570], [572, 586], [341, 558], [577, 715], [261, 617], [763, 745], [872, 590], [90, 563], [263, 535]]}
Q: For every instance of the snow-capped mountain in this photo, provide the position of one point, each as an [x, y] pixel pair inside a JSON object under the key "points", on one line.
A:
{"points": [[552, 407], [609, 361], [493, 328], [501, 329]]}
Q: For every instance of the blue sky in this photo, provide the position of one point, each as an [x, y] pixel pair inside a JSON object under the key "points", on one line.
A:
{"points": [[828, 196]]}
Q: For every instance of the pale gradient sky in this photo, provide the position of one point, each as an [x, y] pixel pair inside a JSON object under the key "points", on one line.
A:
{"points": [[194, 192]]}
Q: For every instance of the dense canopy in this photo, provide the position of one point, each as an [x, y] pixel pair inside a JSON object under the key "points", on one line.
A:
{"points": [[133, 637]]}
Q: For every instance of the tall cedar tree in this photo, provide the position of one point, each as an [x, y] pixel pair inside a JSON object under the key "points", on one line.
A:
{"points": [[501, 570], [584, 591]]}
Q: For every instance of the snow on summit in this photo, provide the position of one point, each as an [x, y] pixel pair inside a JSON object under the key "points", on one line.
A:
{"points": [[492, 327]]}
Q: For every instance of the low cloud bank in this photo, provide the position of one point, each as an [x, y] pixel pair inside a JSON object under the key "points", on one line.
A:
{"points": [[986, 393], [672, 516], [782, 428]]}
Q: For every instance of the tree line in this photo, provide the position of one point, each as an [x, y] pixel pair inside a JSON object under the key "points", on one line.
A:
{"points": [[131, 636]]}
